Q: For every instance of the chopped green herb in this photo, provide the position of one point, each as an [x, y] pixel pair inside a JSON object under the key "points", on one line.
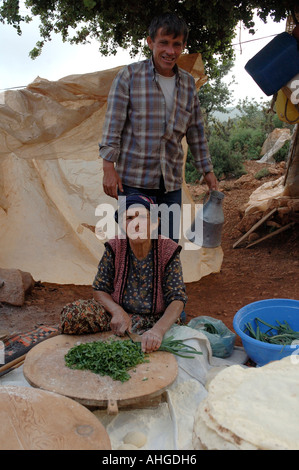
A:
{"points": [[112, 357], [116, 357]]}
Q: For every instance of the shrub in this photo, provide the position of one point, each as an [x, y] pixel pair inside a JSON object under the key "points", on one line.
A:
{"points": [[262, 173], [238, 139], [248, 142], [191, 173], [226, 162]]}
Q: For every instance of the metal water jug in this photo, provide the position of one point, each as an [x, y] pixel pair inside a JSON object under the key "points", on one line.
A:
{"points": [[206, 227]]}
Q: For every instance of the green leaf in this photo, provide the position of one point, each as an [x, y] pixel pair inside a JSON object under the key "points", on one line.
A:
{"points": [[113, 357]]}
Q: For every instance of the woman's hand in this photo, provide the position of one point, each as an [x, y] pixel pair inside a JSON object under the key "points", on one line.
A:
{"points": [[120, 323], [151, 340], [120, 320]]}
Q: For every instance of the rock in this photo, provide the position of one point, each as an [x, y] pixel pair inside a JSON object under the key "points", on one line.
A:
{"points": [[28, 281], [246, 181], [13, 286], [273, 143]]}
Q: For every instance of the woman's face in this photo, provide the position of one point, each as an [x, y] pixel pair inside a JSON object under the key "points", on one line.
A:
{"points": [[137, 223]]}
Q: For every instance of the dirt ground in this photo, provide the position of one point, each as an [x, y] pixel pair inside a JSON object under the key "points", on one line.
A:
{"points": [[267, 270]]}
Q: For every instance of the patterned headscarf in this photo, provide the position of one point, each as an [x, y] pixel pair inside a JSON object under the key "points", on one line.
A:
{"points": [[124, 202]]}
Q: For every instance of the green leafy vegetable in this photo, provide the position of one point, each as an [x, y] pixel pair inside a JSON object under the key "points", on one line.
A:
{"points": [[279, 333], [112, 357], [116, 357], [210, 328], [177, 347]]}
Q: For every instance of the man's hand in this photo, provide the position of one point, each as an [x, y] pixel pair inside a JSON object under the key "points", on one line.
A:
{"points": [[111, 180], [211, 181]]}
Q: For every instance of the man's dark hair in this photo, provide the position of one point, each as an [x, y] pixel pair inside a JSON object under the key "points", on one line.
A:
{"points": [[171, 24]]}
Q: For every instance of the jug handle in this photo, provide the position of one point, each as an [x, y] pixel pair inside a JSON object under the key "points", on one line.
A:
{"points": [[206, 197]]}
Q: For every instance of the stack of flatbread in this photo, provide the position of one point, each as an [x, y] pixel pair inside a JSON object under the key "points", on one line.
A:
{"points": [[251, 409]]}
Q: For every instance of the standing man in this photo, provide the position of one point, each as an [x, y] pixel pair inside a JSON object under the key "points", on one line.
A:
{"points": [[151, 106]]}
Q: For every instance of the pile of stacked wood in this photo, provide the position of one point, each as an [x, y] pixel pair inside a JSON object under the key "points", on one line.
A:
{"points": [[280, 211], [282, 214]]}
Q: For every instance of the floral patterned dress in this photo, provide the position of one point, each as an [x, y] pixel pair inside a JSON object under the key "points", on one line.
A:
{"points": [[88, 316]]}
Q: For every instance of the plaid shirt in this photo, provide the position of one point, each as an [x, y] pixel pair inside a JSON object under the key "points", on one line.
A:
{"points": [[137, 137]]}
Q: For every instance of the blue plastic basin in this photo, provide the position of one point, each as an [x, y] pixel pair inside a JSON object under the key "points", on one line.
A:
{"points": [[269, 310]]}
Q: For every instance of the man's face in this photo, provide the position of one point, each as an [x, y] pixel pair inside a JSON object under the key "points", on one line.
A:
{"points": [[166, 51]]}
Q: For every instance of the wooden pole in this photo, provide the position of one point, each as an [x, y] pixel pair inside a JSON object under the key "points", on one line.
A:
{"points": [[12, 364], [291, 181]]}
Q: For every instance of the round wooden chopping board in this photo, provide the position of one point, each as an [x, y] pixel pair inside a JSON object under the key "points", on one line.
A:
{"points": [[33, 419], [45, 368]]}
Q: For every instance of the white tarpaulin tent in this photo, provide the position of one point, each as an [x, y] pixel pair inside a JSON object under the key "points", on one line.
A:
{"points": [[51, 179]]}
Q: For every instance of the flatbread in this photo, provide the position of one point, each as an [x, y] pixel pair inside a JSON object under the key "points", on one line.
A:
{"points": [[259, 405], [222, 433], [205, 438]]}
